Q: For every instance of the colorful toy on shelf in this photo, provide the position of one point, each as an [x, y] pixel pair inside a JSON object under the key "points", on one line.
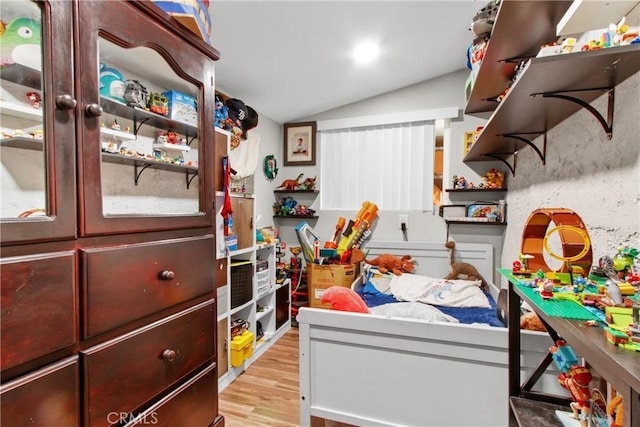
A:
{"points": [[159, 104], [494, 178], [21, 44], [574, 378], [290, 184], [112, 83], [136, 94]]}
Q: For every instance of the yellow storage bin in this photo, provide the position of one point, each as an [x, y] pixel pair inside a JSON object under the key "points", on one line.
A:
{"points": [[241, 348]]}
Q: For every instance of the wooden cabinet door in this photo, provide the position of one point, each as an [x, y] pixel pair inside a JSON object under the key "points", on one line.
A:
{"points": [[283, 302], [37, 145], [144, 168], [243, 221], [223, 347]]}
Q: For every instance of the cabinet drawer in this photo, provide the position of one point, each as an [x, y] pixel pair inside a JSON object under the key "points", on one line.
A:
{"points": [[123, 374], [221, 272], [129, 282], [192, 404], [38, 306], [47, 397]]}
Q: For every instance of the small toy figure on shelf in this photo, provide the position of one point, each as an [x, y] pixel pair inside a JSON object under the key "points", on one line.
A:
{"points": [[454, 181], [34, 99], [462, 183]]}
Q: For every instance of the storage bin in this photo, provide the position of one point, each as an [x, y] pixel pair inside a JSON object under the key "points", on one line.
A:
{"points": [[241, 283], [322, 277], [241, 348]]}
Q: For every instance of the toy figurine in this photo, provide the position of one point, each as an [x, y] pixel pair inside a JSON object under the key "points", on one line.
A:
{"points": [[574, 378], [34, 99]]}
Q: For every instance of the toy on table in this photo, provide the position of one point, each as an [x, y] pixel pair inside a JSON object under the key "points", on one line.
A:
{"points": [[574, 378]]}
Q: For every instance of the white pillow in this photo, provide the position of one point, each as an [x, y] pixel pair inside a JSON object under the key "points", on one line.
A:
{"points": [[413, 310]]}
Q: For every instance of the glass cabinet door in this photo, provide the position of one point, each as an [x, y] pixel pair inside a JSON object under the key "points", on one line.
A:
{"points": [[147, 124], [37, 137]]}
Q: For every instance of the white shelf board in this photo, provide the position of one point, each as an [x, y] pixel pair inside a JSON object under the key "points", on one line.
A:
{"points": [[20, 111], [586, 15], [118, 134], [173, 147]]}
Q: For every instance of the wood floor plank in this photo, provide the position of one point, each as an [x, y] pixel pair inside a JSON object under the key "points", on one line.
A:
{"points": [[267, 393]]}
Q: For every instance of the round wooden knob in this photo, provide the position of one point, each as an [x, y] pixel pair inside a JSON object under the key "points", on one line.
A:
{"points": [[167, 275], [93, 110], [66, 102], [169, 355]]}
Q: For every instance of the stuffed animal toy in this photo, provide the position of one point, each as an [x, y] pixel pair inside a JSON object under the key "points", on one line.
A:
{"points": [[344, 299], [388, 262], [463, 270], [531, 322]]}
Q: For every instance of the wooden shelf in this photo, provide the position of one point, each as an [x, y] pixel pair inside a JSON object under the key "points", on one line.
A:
{"points": [[126, 160], [584, 16], [24, 76], [297, 191], [519, 32], [475, 190], [140, 116], [457, 221], [297, 216], [529, 110], [531, 413], [22, 142]]}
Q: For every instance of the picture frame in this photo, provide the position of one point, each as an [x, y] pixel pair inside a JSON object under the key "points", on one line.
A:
{"points": [[300, 144]]}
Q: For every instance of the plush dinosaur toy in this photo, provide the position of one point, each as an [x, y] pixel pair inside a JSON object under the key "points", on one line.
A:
{"points": [[388, 262], [290, 184], [463, 270]]}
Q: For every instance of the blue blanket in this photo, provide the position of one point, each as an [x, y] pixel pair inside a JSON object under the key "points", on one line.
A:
{"points": [[373, 298]]}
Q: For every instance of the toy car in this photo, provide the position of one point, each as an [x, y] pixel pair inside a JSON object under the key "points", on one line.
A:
{"points": [[136, 94], [158, 104]]}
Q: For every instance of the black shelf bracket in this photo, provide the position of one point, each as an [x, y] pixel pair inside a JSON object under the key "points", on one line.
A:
{"points": [[498, 156], [189, 176], [138, 168], [607, 124], [137, 125], [542, 154]]}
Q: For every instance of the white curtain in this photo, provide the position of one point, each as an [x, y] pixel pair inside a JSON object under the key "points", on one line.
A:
{"points": [[389, 165]]}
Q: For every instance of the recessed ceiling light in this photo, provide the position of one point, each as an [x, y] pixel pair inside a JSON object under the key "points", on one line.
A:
{"points": [[365, 52]]}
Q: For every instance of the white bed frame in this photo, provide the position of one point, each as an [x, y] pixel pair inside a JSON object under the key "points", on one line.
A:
{"points": [[368, 370]]}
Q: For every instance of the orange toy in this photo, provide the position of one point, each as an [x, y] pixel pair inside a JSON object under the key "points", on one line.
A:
{"points": [[388, 262]]}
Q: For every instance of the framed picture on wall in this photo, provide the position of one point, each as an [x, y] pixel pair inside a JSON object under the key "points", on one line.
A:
{"points": [[300, 144]]}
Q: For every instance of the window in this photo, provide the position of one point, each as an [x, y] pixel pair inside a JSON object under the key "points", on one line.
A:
{"points": [[390, 165]]}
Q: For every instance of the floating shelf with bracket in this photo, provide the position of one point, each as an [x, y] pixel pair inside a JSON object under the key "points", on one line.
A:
{"points": [[536, 103]]}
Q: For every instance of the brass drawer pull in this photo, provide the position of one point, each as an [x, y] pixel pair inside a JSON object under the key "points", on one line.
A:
{"points": [[167, 275], [169, 355]]}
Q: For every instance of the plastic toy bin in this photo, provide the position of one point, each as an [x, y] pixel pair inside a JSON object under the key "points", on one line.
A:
{"points": [[241, 348], [241, 283]]}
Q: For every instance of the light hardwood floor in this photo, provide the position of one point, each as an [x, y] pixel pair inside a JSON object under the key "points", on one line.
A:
{"points": [[266, 394]]}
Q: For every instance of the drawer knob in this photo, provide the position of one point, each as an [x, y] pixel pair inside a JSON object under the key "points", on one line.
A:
{"points": [[93, 110], [66, 102], [169, 355], [167, 275]]}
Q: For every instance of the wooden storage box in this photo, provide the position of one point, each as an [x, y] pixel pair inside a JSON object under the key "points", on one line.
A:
{"points": [[322, 277]]}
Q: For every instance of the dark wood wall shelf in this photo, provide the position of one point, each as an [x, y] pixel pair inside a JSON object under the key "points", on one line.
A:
{"points": [[532, 106], [475, 190], [520, 30], [458, 221], [296, 216], [296, 191]]}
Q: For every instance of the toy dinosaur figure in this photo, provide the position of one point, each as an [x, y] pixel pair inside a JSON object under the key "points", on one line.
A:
{"points": [[290, 184], [388, 262], [463, 270]]}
